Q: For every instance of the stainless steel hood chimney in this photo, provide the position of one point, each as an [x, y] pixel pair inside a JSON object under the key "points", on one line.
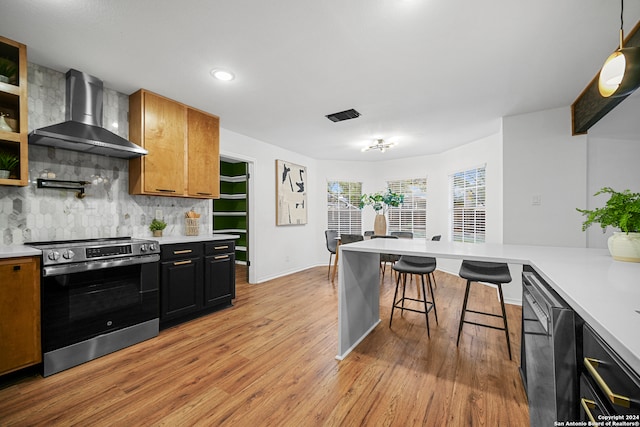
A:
{"points": [[83, 129]]}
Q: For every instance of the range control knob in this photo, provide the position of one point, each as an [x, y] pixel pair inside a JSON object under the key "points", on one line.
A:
{"points": [[54, 255], [68, 254], [152, 247], [143, 247]]}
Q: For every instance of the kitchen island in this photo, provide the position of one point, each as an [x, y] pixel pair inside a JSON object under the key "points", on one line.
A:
{"points": [[604, 292]]}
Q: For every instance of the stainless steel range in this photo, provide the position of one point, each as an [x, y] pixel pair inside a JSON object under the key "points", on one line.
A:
{"points": [[98, 296]]}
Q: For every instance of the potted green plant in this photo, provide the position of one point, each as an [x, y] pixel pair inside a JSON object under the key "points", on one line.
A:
{"points": [[8, 70], [621, 211], [380, 203], [156, 227], [8, 162]]}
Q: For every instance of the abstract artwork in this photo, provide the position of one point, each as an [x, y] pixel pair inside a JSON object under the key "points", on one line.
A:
{"points": [[291, 193]]}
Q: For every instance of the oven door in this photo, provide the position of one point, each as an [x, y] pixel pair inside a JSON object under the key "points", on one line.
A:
{"points": [[549, 357], [81, 305]]}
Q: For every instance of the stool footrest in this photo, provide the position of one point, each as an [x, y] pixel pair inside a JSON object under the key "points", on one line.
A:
{"points": [[482, 312], [397, 305], [484, 325]]}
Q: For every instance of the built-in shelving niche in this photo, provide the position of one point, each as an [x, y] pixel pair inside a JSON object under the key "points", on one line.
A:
{"points": [[230, 210]]}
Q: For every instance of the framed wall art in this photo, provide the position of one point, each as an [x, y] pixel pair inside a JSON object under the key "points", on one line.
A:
{"points": [[291, 193]]}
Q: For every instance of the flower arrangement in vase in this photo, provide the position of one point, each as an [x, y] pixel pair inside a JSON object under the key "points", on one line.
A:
{"points": [[380, 203]]}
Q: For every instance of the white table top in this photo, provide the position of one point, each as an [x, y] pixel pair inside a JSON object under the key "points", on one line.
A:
{"points": [[604, 292]]}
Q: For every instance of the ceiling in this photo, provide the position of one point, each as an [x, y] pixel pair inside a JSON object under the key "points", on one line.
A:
{"points": [[434, 74]]}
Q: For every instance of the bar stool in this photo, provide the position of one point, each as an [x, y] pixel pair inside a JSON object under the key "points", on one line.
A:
{"points": [[489, 272], [415, 265]]}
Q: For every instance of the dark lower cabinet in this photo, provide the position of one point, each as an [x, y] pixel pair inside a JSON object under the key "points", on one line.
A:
{"points": [[609, 388], [219, 273], [196, 279]]}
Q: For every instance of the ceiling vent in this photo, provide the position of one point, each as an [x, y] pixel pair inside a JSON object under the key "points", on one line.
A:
{"points": [[343, 115]]}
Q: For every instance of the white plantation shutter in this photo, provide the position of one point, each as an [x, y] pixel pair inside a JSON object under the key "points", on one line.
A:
{"points": [[412, 214], [343, 198], [468, 207]]}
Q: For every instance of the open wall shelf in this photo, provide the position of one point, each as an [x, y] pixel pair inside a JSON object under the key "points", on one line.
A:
{"points": [[230, 210]]}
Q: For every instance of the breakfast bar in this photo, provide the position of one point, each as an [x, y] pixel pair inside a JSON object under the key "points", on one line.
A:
{"points": [[603, 292]]}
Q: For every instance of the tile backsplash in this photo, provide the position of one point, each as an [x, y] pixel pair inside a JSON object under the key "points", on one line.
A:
{"points": [[42, 214]]}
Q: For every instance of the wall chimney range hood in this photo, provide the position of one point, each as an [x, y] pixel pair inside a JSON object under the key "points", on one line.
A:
{"points": [[82, 130]]}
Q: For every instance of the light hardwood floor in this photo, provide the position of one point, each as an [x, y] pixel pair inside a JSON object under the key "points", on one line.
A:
{"points": [[270, 360]]}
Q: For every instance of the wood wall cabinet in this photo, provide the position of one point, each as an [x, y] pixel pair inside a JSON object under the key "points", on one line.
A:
{"points": [[13, 108], [183, 145], [19, 313]]}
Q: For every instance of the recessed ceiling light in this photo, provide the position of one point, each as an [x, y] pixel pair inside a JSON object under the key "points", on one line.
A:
{"points": [[223, 75]]}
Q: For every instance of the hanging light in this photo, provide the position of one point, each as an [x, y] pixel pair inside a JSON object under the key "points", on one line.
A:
{"points": [[620, 74], [380, 145]]}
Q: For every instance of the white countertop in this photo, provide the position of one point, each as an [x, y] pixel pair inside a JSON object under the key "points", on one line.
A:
{"points": [[14, 251], [167, 240], [604, 292]]}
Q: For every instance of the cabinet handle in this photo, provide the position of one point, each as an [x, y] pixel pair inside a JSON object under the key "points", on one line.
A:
{"points": [[588, 405], [221, 257], [616, 399], [204, 194], [182, 262], [16, 268], [165, 190], [186, 251], [217, 248]]}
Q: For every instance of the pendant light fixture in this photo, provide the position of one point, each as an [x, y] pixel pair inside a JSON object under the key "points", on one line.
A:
{"points": [[620, 74]]}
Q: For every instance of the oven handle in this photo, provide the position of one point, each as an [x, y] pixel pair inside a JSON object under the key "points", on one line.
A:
{"points": [[57, 270], [541, 316]]}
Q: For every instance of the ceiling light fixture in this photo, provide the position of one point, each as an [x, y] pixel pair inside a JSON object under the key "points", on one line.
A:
{"points": [[379, 145], [620, 74], [223, 75]]}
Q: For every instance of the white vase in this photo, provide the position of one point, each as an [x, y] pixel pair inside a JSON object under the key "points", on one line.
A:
{"points": [[4, 174], [625, 246]]}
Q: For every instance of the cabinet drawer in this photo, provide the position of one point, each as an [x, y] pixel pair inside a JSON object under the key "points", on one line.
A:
{"points": [[180, 251], [592, 408], [219, 247], [618, 384]]}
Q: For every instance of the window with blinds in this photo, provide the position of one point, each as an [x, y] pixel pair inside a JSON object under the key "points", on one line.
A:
{"points": [[468, 207], [412, 214], [343, 198]]}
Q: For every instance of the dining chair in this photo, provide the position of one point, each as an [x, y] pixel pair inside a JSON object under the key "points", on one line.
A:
{"points": [[386, 258], [331, 237], [345, 239], [402, 234]]}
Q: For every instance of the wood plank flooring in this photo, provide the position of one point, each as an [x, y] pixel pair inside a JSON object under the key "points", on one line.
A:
{"points": [[270, 361]]}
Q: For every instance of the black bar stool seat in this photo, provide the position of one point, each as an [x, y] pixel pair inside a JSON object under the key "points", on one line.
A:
{"points": [[489, 272], [415, 265]]}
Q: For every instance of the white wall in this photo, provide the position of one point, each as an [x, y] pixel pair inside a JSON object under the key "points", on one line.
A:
{"points": [[612, 163], [542, 159], [275, 250]]}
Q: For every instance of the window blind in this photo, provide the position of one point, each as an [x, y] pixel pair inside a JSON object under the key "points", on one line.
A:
{"points": [[343, 214], [412, 214], [468, 205]]}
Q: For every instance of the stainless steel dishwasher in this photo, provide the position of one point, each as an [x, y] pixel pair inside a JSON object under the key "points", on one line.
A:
{"points": [[548, 353]]}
